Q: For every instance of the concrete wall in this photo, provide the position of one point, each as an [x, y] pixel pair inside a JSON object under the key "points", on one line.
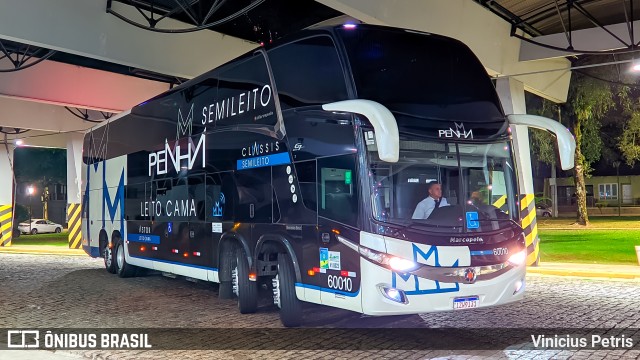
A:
{"points": [[595, 181]]}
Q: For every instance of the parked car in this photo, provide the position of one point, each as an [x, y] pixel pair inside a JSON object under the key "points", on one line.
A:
{"points": [[543, 211], [39, 226]]}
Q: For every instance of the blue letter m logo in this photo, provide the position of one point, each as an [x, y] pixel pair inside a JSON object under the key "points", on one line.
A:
{"points": [[432, 252], [112, 206]]}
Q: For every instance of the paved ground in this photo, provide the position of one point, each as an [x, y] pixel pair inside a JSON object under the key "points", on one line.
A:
{"points": [[58, 291]]}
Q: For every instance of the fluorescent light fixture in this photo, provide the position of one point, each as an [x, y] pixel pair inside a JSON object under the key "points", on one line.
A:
{"points": [[19, 142]]}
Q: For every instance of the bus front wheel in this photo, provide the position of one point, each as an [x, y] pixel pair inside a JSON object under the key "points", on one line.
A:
{"points": [[245, 289], [284, 293]]}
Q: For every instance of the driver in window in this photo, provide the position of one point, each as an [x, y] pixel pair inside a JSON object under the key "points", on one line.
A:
{"points": [[432, 202]]}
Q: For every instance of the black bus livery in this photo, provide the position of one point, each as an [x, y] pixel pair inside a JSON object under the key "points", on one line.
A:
{"points": [[308, 167]]}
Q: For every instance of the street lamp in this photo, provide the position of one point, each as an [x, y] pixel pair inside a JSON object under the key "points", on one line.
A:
{"points": [[30, 191]]}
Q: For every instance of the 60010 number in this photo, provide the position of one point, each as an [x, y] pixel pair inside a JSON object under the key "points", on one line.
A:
{"points": [[339, 282]]}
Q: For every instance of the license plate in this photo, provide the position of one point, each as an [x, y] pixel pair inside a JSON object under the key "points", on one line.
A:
{"points": [[468, 302]]}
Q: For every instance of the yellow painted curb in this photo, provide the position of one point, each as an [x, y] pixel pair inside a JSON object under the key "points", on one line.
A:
{"points": [[581, 273], [66, 252]]}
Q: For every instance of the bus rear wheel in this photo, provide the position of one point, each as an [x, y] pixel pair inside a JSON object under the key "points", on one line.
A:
{"points": [[284, 293], [109, 261], [245, 289], [227, 264], [123, 268]]}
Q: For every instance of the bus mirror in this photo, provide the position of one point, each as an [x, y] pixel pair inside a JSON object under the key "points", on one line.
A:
{"points": [[565, 140], [383, 121]]}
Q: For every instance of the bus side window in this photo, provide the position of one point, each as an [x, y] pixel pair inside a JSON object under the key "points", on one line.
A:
{"points": [[245, 95], [196, 190], [220, 195], [135, 202], [255, 195], [306, 172], [337, 189], [308, 72]]}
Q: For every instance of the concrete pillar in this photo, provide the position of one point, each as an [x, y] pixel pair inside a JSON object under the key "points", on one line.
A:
{"points": [[511, 93], [74, 191], [6, 193]]}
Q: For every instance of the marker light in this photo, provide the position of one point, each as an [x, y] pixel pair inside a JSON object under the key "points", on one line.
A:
{"points": [[519, 286], [253, 277], [349, 26], [518, 258]]}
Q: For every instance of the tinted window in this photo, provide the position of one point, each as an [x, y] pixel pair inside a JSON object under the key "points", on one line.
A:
{"points": [[221, 195], [420, 76], [245, 95], [179, 199], [95, 145], [135, 201], [337, 189], [308, 72], [255, 195], [306, 172]]}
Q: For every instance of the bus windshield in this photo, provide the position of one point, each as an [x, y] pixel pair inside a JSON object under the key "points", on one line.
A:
{"points": [[477, 185], [423, 79]]}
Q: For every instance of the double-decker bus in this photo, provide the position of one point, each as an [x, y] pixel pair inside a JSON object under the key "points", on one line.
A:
{"points": [[298, 169]]}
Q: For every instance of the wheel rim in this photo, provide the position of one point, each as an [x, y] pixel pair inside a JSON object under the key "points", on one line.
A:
{"points": [[120, 256], [108, 257], [276, 290], [234, 280]]}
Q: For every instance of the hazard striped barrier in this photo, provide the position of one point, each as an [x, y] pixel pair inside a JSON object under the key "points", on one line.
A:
{"points": [[6, 228], [75, 235]]}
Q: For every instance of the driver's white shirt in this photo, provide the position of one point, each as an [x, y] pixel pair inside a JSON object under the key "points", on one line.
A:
{"points": [[426, 207]]}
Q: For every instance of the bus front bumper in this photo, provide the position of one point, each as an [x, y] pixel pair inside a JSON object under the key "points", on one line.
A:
{"points": [[388, 293]]}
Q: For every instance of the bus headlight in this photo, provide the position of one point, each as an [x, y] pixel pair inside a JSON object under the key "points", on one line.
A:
{"points": [[400, 264], [393, 262], [518, 258]]}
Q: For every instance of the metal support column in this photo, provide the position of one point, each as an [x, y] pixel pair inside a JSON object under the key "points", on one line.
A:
{"points": [[74, 195], [511, 93], [6, 193]]}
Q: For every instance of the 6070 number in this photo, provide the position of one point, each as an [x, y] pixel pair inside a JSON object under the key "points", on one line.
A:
{"points": [[500, 251]]}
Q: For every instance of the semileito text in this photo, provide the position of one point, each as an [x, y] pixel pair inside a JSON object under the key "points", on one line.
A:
{"points": [[230, 107]]}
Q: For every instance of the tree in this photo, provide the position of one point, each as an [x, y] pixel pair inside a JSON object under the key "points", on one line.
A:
{"points": [[542, 143], [593, 101], [34, 165], [589, 100], [40, 167], [630, 139]]}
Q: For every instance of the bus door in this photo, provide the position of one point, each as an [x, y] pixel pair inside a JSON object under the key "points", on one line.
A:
{"points": [[338, 209]]}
